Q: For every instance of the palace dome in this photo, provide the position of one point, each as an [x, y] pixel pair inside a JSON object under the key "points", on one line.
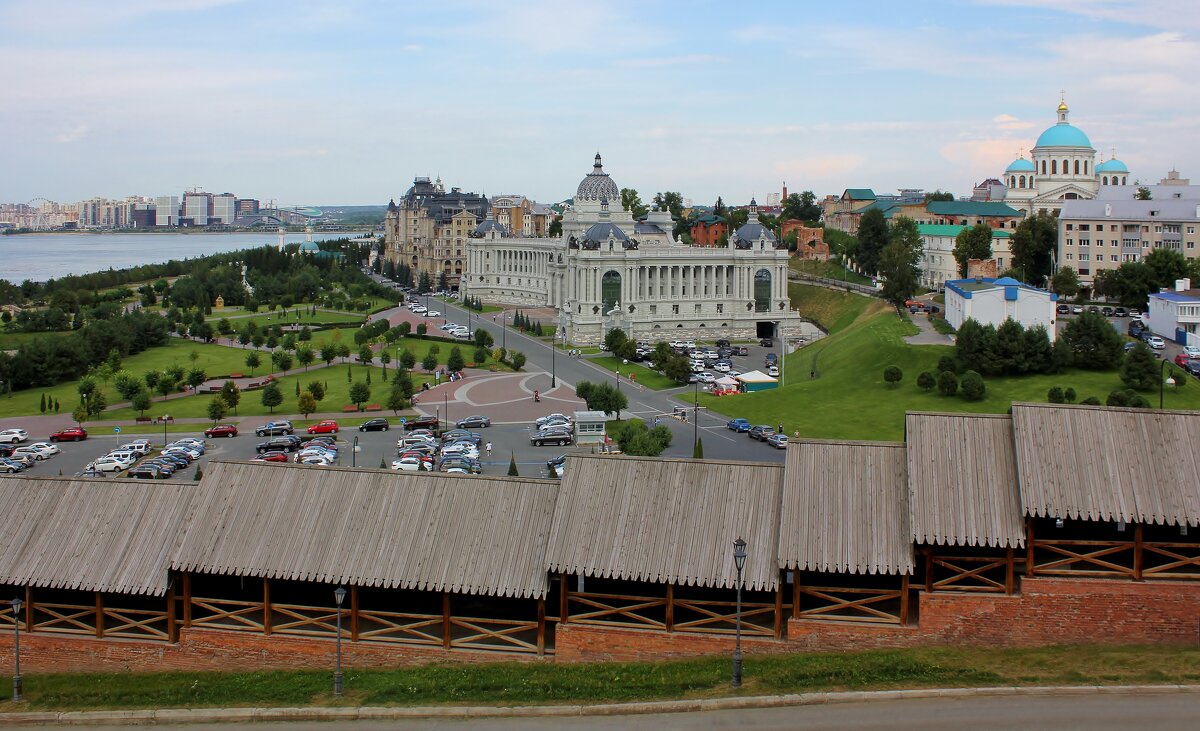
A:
{"points": [[486, 227], [598, 186], [1021, 165], [1063, 135], [599, 232], [1112, 166]]}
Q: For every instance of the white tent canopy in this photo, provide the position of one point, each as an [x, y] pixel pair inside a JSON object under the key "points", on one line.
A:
{"points": [[757, 377]]}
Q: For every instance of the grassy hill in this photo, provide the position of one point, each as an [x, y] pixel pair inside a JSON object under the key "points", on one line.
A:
{"points": [[849, 399], [831, 309]]}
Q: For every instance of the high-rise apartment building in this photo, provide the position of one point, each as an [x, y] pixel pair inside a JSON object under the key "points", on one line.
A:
{"points": [[224, 208], [166, 210], [197, 208]]}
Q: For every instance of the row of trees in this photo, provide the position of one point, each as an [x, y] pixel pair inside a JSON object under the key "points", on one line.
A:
{"points": [[891, 251], [1089, 342]]}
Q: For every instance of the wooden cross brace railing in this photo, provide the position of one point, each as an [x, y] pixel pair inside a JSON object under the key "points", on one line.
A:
{"points": [[630, 611], [859, 609], [1175, 560], [319, 621], [1076, 552], [231, 619], [503, 636], [960, 575], [67, 620], [710, 617], [396, 627], [134, 622], [7, 618]]}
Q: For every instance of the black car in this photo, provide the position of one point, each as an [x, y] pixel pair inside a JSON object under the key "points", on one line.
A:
{"points": [[1063, 310], [375, 425], [741, 350], [460, 435], [1136, 328], [421, 422], [722, 343], [287, 443], [1120, 312], [767, 343], [147, 472], [473, 422], [552, 435], [1106, 311], [1193, 367], [560, 459]]}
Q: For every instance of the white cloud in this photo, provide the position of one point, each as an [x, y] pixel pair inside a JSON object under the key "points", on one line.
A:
{"points": [[691, 58], [74, 134]]}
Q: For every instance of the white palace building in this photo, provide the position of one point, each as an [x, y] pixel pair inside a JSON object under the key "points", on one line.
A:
{"points": [[607, 270]]}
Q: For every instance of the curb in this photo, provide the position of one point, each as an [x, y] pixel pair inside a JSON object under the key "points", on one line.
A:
{"points": [[243, 715]]}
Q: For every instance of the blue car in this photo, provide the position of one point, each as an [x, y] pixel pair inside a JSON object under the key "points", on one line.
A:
{"points": [[738, 425]]}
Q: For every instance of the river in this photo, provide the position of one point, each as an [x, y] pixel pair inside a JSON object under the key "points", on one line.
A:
{"points": [[44, 256]]}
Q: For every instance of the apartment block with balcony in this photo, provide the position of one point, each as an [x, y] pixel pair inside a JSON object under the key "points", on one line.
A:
{"points": [[1095, 235]]}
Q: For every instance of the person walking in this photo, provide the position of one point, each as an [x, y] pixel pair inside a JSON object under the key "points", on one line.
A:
{"points": [[488, 449]]}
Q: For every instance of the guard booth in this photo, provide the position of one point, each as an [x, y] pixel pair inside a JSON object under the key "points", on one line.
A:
{"points": [[590, 427]]}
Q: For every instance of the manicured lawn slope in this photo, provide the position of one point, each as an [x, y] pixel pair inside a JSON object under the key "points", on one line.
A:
{"points": [[542, 683], [849, 400], [834, 311], [644, 376]]}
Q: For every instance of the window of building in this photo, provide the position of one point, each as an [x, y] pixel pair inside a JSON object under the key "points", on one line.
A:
{"points": [[1085, 227], [1085, 256], [653, 309], [674, 309], [697, 308], [1114, 257]]}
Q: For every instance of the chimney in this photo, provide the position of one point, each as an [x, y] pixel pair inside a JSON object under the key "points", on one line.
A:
{"points": [[1107, 210], [1182, 285], [784, 198]]}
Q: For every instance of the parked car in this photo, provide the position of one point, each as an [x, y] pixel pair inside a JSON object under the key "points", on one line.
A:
{"points": [[141, 446], [375, 425], [1192, 351], [13, 436], [221, 430], [147, 472], [773, 370], [1106, 311], [11, 466], [272, 457], [553, 435], [421, 422], [556, 461], [548, 419], [328, 426], [274, 428], [738, 425], [1136, 328], [767, 343], [461, 435], [473, 422], [70, 434], [1193, 367], [779, 441], [32, 453], [1156, 342], [762, 432], [1063, 309], [47, 447], [1077, 310], [285, 443], [1181, 359], [109, 464], [407, 464], [741, 350], [1120, 312], [433, 313]]}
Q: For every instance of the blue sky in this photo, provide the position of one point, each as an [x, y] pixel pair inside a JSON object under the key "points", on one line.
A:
{"points": [[345, 102]]}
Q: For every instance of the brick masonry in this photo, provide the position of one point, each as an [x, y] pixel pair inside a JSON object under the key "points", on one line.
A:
{"points": [[1047, 611]]}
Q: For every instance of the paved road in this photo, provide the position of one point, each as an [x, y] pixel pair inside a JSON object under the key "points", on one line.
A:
{"points": [[1116, 712]]}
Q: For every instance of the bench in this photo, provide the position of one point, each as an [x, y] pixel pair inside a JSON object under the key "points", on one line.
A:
{"points": [[349, 408], [142, 420], [374, 407], [235, 375]]}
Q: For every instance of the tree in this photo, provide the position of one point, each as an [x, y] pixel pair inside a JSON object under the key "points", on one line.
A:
{"points": [[80, 414], [802, 207], [872, 237], [1166, 266], [231, 395], [1069, 395], [973, 388], [1010, 348], [926, 381], [1033, 245], [517, 360], [430, 361], [253, 361], [455, 362], [360, 393], [614, 338], [385, 358], [1065, 282], [698, 449], [443, 282], [899, 262], [217, 408], [423, 283], [972, 243], [948, 363], [632, 202], [892, 375], [483, 338], [422, 328], [1142, 194], [317, 389], [397, 400], [939, 195], [555, 227], [96, 404], [602, 397], [305, 356], [306, 404], [195, 377], [126, 384], [1128, 398], [140, 401], [365, 354], [947, 383], [407, 359], [1055, 395], [272, 396], [343, 351], [1140, 369], [634, 438], [329, 352], [512, 465], [481, 356], [1094, 343]]}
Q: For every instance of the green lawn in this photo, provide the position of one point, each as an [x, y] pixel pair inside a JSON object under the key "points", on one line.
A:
{"points": [[534, 683], [12, 341], [645, 376], [834, 311], [849, 400], [829, 270], [266, 319]]}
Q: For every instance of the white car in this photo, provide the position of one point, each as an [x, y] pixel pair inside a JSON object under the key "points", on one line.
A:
{"points": [[723, 367], [109, 464], [408, 464], [124, 457], [1156, 342], [418, 309], [13, 436], [31, 452], [141, 447], [706, 377], [313, 459], [772, 371], [191, 452], [1191, 351], [433, 313], [47, 447], [469, 451]]}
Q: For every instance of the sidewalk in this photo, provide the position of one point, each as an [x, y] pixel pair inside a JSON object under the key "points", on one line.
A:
{"points": [[174, 716]]}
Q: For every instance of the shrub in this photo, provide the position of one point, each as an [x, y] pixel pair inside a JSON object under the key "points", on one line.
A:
{"points": [[892, 375], [947, 383], [1090, 401], [1069, 395], [1140, 369], [947, 363], [926, 381], [1055, 395], [973, 387]]}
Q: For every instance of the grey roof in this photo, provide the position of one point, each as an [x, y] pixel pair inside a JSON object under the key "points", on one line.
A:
{"points": [[597, 186], [488, 225], [1125, 210], [1157, 192], [664, 520], [962, 478], [647, 228], [845, 508], [600, 232], [1096, 463], [90, 534], [472, 535], [753, 231]]}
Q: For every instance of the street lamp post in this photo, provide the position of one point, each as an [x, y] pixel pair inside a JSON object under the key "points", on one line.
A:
{"points": [[1162, 372], [696, 416], [339, 595], [17, 684], [739, 561], [553, 348], [354, 453]]}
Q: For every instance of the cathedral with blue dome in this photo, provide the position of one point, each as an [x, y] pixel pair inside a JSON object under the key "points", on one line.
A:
{"points": [[1062, 166]]}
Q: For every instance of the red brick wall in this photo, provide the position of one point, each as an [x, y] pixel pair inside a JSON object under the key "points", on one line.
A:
{"points": [[578, 643], [707, 235]]}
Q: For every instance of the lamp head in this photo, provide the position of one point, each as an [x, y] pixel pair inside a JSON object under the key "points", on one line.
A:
{"points": [[739, 553], [16, 605], [339, 595]]}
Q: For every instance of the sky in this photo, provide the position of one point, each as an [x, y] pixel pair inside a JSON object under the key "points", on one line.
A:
{"points": [[344, 102]]}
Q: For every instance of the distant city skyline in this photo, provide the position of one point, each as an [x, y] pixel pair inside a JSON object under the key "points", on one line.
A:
{"points": [[345, 103]]}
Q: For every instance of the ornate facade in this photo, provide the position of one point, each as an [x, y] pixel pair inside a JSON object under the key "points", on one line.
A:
{"points": [[428, 229], [608, 270]]}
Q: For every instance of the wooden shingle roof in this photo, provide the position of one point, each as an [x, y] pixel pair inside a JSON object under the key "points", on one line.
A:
{"points": [[845, 508], [962, 477], [90, 534], [1096, 463], [412, 530], [667, 520]]}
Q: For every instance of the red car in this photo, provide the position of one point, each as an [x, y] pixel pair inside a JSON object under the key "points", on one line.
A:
{"points": [[1182, 360], [221, 430], [329, 426], [72, 434], [272, 457]]}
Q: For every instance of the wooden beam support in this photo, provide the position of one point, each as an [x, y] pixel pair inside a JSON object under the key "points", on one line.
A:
{"points": [[1029, 570], [266, 606], [929, 569], [187, 600], [1010, 580], [172, 623], [779, 604], [564, 604], [446, 620], [353, 613], [1137, 552], [28, 609], [541, 626], [99, 615], [670, 608], [904, 600], [796, 592]]}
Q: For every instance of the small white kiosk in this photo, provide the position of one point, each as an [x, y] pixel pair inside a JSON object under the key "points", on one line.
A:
{"points": [[589, 427]]}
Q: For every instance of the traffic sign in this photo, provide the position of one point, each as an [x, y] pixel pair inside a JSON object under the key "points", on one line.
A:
{"points": [[403, 420], [117, 429]]}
